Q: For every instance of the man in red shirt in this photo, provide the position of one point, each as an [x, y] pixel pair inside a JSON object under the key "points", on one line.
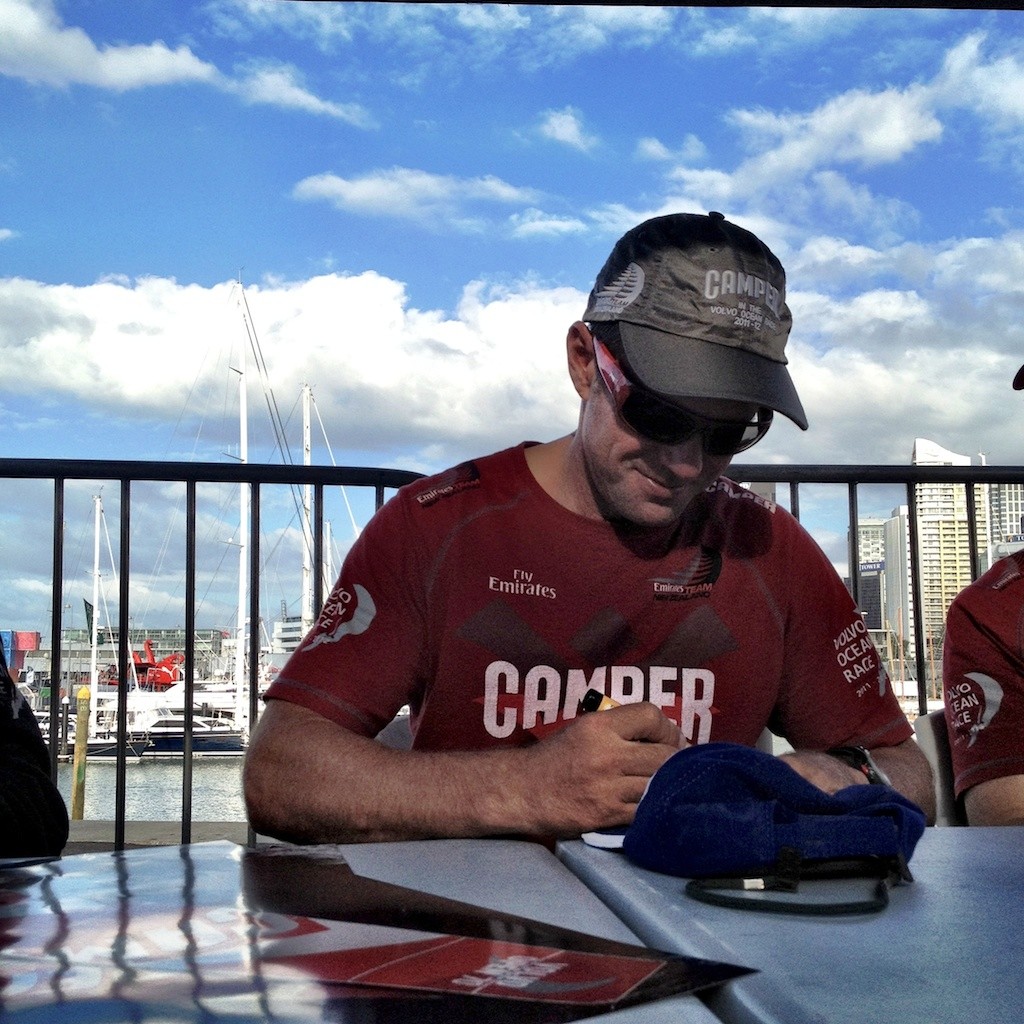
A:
{"points": [[489, 598], [983, 687]]}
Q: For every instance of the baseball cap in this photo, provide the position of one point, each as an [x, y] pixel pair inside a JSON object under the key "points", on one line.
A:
{"points": [[701, 307], [725, 809]]}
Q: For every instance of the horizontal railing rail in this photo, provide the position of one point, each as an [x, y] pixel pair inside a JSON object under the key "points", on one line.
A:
{"points": [[381, 482]]}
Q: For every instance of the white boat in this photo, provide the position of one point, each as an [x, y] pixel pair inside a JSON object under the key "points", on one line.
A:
{"points": [[104, 746], [102, 742], [211, 734]]}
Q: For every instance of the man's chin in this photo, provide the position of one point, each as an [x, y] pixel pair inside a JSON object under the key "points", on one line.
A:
{"points": [[651, 516]]}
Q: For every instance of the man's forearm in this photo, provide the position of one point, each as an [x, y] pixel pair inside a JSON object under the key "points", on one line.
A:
{"points": [[308, 780], [344, 788], [905, 765], [910, 774]]}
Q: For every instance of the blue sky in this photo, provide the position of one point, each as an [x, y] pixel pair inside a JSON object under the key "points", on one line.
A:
{"points": [[416, 199]]}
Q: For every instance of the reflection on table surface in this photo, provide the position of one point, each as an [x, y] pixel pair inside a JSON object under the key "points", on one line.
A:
{"points": [[216, 932], [947, 949]]}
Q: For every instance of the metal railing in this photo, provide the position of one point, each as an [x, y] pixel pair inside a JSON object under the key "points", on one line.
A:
{"points": [[127, 474], [381, 481]]}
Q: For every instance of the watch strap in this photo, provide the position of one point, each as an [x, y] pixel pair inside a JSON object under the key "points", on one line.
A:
{"points": [[861, 759]]}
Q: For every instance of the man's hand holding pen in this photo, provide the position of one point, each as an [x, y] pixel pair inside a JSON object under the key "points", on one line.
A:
{"points": [[601, 761]]}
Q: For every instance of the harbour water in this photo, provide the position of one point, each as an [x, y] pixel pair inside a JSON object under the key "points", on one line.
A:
{"points": [[153, 789]]}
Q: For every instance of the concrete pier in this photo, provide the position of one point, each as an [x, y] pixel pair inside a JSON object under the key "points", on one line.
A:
{"points": [[98, 836]]}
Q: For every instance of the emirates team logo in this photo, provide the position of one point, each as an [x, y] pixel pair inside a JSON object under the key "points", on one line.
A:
{"points": [[696, 580]]}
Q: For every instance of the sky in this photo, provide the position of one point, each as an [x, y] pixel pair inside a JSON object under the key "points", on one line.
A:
{"points": [[411, 202]]}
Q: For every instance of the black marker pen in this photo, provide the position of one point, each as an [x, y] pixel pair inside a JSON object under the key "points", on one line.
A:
{"points": [[595, 700]]}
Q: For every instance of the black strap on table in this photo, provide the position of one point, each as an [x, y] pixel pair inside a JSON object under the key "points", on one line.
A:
{"points": [[790, 870]]}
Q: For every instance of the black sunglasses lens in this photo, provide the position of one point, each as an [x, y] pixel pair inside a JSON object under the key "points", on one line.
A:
{"points": [[731, 438], [667, 424], [656, 420]]}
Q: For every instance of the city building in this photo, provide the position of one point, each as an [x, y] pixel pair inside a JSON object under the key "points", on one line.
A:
{"points": [[944, 540], [945, 544], [76, 652], [288, 633]]}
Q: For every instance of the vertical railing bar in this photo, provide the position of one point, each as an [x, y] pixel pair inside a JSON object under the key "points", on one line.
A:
{"points": [[254, 600], [123, 640], [57, 624], [190, 658], [794, 499], [854, 541], [914, 571], [254, 612], [972, 530], [318, 549]]}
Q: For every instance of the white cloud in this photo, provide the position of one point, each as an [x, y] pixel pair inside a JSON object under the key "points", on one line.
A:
{"points": [[690, 150], [411, 194], [857, 127], [325, 24], [491, 19], [566, 126], [709, 188], [429, 380], [595, 27], [279, 86], [457, 36], [884, 365], [873, 368], [6, 234], [37, 47], [993, 88], [801, 162], [983, 268], [534, 223], [717, 31]]}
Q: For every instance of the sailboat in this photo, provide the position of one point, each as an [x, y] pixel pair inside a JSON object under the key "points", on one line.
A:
{"points": [[103, 739]]}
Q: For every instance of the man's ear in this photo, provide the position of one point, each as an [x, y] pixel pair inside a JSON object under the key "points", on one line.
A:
{"points": [[579, 348]]}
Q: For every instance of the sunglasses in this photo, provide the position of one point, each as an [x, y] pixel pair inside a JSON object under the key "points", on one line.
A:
{"points": [[657, 420]]}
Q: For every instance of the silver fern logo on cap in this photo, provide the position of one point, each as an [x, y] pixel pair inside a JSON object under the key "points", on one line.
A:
{"points": [[615, 296]]}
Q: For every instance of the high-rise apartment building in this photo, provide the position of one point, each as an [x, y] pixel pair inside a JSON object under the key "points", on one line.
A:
{"points": [[871, 558], [1006, 511], [897, 595], [945, 540], [1006, 519]]}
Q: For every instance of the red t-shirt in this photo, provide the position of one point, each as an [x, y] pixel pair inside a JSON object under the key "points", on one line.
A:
{"points": [[490, 609], [983, 676]]}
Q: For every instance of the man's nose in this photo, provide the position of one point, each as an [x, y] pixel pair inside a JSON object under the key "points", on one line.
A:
{"points": [[685, 459]]}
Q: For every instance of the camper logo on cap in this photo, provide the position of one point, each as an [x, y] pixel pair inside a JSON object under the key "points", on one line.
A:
{"points": [[615, 296]]}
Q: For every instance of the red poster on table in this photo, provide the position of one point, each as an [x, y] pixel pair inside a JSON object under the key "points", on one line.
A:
{"points": [[358, 954]]}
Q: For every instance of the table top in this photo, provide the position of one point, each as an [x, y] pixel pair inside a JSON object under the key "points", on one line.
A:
{"points": [[378, 933], [947, 948]]}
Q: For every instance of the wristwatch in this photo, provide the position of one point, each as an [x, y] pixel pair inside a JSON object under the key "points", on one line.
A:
{"points": [[861, 759]]}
